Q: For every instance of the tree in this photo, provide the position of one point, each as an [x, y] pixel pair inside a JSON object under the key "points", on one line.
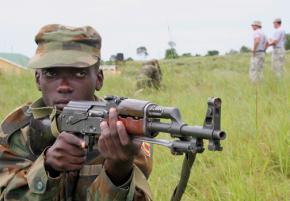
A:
{"points": [[120, 57], [142, 52], [232, 52], [129, 59], [113, 58], [245, 49], [287, 45], [171, 53], [186, 55], [212, 53]]}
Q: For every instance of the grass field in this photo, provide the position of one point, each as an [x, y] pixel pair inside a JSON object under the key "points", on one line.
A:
{"points": [[255, 162]]}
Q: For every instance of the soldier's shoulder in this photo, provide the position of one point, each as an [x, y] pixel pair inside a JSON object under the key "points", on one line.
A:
{"points": [[16, 120], [149, 67]]}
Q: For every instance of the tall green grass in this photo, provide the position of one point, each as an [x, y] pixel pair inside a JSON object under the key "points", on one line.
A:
{"points": [[255, 162]]}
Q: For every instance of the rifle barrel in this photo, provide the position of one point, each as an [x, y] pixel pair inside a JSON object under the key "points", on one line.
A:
{"points": [[198, 132], [203, 133]]}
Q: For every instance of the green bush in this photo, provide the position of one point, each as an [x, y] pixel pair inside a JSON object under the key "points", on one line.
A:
{"points": [[186, 55], [245, 49], [212, 53]]}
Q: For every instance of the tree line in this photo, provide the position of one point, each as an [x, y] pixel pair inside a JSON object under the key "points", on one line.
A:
{"points": [[171, 53]]}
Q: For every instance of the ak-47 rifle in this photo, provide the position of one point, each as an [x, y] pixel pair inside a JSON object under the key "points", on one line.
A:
{"points": [[143, 120]]}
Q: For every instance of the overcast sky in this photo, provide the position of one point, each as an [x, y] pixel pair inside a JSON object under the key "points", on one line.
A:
{"points": [[195, 26]]}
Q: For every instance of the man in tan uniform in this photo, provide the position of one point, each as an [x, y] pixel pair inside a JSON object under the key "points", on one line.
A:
{"points": [[258, 56], [39, 163], [278, 43]]}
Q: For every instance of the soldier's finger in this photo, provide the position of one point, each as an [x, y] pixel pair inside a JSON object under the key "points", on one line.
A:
{"points": [[72, 160], [116, 148], [105, 141], [102, 148], [105, 130], [76, 152], [70, 150], [113, 118], [71, 139], [101, 141], [123, 135], [83, 145]]}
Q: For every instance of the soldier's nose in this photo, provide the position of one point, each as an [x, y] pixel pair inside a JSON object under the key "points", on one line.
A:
{"points": [[64, 87]]}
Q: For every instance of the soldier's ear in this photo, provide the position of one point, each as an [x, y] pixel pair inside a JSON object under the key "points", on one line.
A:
{"points": [[37, 77], [99, 80]]}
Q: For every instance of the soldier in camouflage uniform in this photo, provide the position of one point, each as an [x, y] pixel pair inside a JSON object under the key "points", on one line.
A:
{"points": [[150, 75], [39, 163], [278, 42]]}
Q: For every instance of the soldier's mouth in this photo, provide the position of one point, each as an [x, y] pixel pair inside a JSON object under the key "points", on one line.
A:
{"points": [[60, 104]]}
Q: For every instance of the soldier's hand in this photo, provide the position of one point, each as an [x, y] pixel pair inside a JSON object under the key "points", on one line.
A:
{"points": [[117, 148], [66, 154]]}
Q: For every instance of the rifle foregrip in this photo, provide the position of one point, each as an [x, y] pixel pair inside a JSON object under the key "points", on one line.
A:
{"points": [[133, 126]]}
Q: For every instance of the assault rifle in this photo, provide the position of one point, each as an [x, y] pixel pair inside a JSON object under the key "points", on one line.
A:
{"points": [[143, 121]]}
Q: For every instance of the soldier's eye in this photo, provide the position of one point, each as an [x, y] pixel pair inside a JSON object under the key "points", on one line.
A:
{"points": [[49, 73], [81, 74]]}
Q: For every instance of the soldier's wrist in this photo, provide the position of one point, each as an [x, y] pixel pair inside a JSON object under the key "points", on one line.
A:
{"points": [[50, 170], [118, 171]]}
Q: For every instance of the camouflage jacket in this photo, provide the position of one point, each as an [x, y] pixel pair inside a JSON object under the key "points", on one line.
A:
{"points": [[23, 176], [148, 76], [149, 72]]}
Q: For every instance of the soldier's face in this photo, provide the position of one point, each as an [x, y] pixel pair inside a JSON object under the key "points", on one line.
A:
{"points": [[276, 25], [59, 85], [254, 27]]}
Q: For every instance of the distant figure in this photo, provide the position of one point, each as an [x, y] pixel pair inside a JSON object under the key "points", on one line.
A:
{"points": [[150, 75], [258, 57], [278, 42]]}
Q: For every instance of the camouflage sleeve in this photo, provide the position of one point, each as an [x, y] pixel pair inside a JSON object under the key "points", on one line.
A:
{"points": [[21, 177], [104, 190], [136, 188]]}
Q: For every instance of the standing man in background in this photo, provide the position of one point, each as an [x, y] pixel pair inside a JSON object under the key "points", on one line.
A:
{"points": [[278, 43], [258, 57]]}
